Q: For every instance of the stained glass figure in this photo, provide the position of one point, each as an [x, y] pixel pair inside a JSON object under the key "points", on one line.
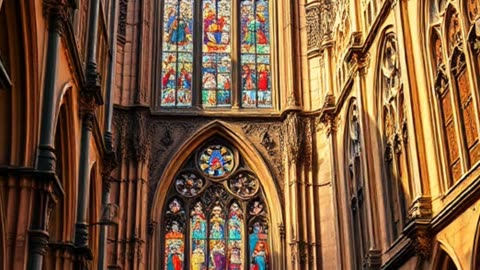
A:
{"points": [[244, 184], [174, 236], [189, 184], [177, 54], [235, 230], [217, 239], [216, 74], [255, 58], [199, 237], [216, 161], [258, 235]]}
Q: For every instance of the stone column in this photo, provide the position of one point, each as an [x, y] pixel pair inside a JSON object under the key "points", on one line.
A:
{"points": [[47, 188], [90, 98], [109, 160]]}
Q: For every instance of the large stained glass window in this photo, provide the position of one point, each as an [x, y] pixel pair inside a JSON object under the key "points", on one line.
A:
{"points": [[221, 76], [216, 221]]}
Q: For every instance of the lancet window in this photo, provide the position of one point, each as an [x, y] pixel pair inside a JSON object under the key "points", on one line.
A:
{"points": [[216, 217], [395, 134], [356, 187]]}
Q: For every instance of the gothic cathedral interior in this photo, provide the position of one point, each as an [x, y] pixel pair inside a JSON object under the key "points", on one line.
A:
{"points": [[239, 134]]}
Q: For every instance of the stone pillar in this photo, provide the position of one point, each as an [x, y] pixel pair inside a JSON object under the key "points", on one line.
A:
{"points": [[90, 98], [46, 186], [82, 250], [109, 161]]}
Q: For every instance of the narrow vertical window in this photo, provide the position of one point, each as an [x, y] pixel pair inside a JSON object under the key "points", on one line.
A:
{"points": [[258, 235], [216, 70], [199, 237], [235, 230], [255, 53], [174, 235], [355, 186], [217, 238], [177, 56]]}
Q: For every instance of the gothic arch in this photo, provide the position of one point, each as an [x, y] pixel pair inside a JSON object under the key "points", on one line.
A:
{"points": [[355, 187], [444, 257], [66, 108], [63, 215], [252, 158], [391, 133]]}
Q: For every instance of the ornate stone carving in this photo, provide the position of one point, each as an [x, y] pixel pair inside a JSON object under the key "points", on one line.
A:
{"points": [[122, 21], [420, 233], [421, 208], [293, 136], [87, 106], [141, 141], [307, 147], [57, 11], [269, 135], [268, 143], [313, 27], [320, 17]]}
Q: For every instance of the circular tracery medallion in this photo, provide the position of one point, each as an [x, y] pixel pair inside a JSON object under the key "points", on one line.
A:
{"points": [[189, 184], [244, 184], [216, 161]]}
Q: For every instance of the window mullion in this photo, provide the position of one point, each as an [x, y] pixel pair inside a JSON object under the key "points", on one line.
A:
{"points": [[235, 37], [197, 55]]}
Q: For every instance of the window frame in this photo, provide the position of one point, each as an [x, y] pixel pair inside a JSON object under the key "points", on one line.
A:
{"points": [[438, 24]]}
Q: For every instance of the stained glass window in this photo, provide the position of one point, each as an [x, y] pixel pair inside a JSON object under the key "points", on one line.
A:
{"points": [[227, 222], [216, 49], [255, 49]]}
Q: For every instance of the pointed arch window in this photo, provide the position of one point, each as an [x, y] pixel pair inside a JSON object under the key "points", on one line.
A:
{"points": [[454, 90], [356, 187], [395, 134], [215, 54], [216, 217]]}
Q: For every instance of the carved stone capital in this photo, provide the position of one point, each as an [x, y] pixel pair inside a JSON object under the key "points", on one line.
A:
{"points": [[327, 118], [87, 108]]}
